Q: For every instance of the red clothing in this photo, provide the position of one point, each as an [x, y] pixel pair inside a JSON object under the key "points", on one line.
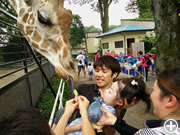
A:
{"points": [[97, 56], [108, 54], [116, 55], [144, 62]]}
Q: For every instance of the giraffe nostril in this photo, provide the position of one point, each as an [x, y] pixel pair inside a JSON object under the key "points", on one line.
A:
{"points": [[71, 65]]}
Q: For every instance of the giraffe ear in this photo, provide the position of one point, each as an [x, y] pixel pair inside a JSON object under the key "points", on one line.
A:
{"points": [[28, 2]]}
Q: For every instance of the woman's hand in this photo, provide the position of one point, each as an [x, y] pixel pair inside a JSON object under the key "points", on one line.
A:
{"points": [[71, 105], [83, 104], [107, 119]]}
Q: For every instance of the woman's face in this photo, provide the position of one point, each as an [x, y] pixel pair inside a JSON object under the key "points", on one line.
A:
{"points": [[158, 102], [110, 95]]}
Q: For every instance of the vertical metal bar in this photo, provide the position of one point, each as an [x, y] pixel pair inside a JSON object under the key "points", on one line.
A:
{"points": [[25, 56], [42, 71], [25, 65], [40, 59], [26, 71]]}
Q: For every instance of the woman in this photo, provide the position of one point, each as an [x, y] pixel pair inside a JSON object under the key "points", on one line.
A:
{"points": [[166, 103]]}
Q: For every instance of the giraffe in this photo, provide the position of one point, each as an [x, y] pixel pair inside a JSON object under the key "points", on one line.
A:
{"points": [[45, 25]]}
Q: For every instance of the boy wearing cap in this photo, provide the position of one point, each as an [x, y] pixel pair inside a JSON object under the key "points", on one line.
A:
{"points": [[90, 70]]}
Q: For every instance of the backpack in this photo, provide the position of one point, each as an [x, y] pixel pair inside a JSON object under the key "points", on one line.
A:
{"points": [[148, 61], [80, 61]]}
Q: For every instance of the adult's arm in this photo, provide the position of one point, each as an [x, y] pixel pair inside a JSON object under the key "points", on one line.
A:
{"points": [[123, 128], [117, 123]]}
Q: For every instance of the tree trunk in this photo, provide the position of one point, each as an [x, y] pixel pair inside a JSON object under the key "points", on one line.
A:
{"points": [[167, 28], [104, 14]]}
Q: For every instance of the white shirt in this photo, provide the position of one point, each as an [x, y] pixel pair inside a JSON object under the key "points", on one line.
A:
{"points": [[81, 58], [90, 68], [152, 61]]}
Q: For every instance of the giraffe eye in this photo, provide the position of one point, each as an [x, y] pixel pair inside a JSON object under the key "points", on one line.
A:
{"points": [[44, 20]]}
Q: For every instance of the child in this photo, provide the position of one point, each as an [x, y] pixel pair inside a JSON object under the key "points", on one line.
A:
{"points": [[152, 65], [139, 65], [123, 65], [132, 89], [90, 70]]}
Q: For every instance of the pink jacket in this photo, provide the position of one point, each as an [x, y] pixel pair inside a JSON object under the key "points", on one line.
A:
{"points": [[144, 62]]}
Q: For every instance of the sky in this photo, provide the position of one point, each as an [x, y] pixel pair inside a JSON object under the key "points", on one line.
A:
{"points": [[89, 17]]}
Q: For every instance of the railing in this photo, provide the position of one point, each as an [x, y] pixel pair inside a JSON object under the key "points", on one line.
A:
{"points": [[28, 61], [21, 64], [59, 97], [23, 44]]}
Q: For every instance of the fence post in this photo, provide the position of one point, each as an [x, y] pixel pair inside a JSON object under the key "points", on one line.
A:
{"points": [[26, 71], [42, 71], [25, 66]]}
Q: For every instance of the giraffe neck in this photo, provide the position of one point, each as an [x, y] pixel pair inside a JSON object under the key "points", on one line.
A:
{"points": [[16, 4]]}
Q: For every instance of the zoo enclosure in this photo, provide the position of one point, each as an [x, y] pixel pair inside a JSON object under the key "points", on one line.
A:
{"points": [[17, 57]]}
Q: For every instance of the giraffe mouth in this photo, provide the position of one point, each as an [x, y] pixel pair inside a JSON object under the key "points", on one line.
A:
{"points": [[71, 85]]}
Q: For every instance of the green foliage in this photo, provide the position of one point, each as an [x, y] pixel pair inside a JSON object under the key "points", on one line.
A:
{"points": [[92, 29], [15, 50], [149, 43], [113, 26], [142, 7], [152, 51], [76, 32], [6, 6], [91, 57], [47, 99]]}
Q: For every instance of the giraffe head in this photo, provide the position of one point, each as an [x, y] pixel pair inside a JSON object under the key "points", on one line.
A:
{"points": [[45, 25]]}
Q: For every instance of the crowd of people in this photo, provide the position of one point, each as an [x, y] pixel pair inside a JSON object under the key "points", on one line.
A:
{"points": [[130, 65], [118, 96]]}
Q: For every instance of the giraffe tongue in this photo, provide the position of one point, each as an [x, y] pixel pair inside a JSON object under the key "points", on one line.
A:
{"points": [[71, 85]]}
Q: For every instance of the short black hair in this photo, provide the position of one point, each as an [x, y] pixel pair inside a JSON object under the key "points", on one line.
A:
{"points": [[110, 62], [25, 122], [140, 52]]}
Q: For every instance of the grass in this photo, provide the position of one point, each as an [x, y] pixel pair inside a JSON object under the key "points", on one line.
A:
{"points": [[47, 99]]}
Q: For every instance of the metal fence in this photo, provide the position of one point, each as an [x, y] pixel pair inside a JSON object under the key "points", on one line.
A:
{"points": [[24, 73]]}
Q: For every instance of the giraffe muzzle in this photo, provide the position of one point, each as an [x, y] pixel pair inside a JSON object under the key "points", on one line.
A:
{"points": [[71, 85]]}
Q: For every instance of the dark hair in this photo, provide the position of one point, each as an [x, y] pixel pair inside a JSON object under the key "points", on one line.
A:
{"points": [[24, 122], [169, 82], [140, 52], [110, 62], [138, 90]]}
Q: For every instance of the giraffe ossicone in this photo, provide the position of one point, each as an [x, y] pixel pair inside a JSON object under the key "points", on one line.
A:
{"points": [[45, 25]]}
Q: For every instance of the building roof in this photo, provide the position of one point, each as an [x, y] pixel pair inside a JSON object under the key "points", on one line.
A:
{"points": [[125, 29]]}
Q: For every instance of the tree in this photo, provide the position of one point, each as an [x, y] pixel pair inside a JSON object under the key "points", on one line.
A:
{"points": [[92, 29], [167, 27], [142, 7], [101, 6], [113, 26], [77, 31], [149, 43]]}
